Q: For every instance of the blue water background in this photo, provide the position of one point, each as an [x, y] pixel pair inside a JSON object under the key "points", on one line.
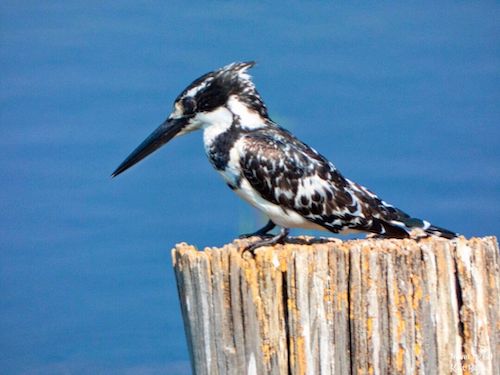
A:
{"points": [[403, 98]]}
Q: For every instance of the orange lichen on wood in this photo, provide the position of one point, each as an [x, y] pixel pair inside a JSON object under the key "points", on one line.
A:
{"points": [[331, 307]]}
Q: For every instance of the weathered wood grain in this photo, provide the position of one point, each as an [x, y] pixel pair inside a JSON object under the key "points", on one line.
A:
{"points": [[331, 307]]}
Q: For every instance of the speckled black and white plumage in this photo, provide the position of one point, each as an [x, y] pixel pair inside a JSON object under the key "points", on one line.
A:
{"points": [[290, 182], [286, 172], [290, 174]]}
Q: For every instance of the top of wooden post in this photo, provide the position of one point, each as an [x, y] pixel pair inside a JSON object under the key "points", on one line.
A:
{"points": [[306, 243]]}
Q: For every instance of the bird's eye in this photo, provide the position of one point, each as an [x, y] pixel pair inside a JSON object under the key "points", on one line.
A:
{"points": [[188, 105]]}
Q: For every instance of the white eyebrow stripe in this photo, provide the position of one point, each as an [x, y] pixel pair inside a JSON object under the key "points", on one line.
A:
{"points": [[194, 90]]}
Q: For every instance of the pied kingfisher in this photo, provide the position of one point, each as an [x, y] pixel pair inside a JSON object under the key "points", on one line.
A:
{"points": [[290, 182]]}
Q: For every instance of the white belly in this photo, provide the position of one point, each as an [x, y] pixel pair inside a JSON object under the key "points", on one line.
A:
{"points": [[281, 216]]}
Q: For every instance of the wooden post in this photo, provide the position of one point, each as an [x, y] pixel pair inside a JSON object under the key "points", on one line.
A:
{"points": [[331, 307]]}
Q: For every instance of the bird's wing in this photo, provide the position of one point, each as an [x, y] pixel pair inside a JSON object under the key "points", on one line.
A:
{"points": [[289, 173]]}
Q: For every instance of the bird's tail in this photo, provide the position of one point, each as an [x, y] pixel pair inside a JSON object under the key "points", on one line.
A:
{"points": [[440, 232], [422, 228]]}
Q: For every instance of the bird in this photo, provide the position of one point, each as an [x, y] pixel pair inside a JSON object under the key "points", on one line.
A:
{"points": [[292, 184]]}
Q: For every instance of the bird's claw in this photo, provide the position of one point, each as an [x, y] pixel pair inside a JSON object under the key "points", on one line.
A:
{"points": [[272, 240]]}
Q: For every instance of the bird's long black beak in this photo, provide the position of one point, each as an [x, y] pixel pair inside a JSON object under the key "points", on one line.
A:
{"points": [[164, 133]]}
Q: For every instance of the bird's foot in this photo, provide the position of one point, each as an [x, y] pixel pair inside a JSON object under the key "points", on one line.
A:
{"points": [[262, 232], [279, 238]]}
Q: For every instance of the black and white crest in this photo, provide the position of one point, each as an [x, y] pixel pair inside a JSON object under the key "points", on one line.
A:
{"points": [[213, 89], [290, 182]]}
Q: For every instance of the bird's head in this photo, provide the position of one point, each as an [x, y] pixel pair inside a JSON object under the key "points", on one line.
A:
{"points": [[214, 98]]}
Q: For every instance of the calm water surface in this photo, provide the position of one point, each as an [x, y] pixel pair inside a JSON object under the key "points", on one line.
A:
{"points": [[403, 99]]}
